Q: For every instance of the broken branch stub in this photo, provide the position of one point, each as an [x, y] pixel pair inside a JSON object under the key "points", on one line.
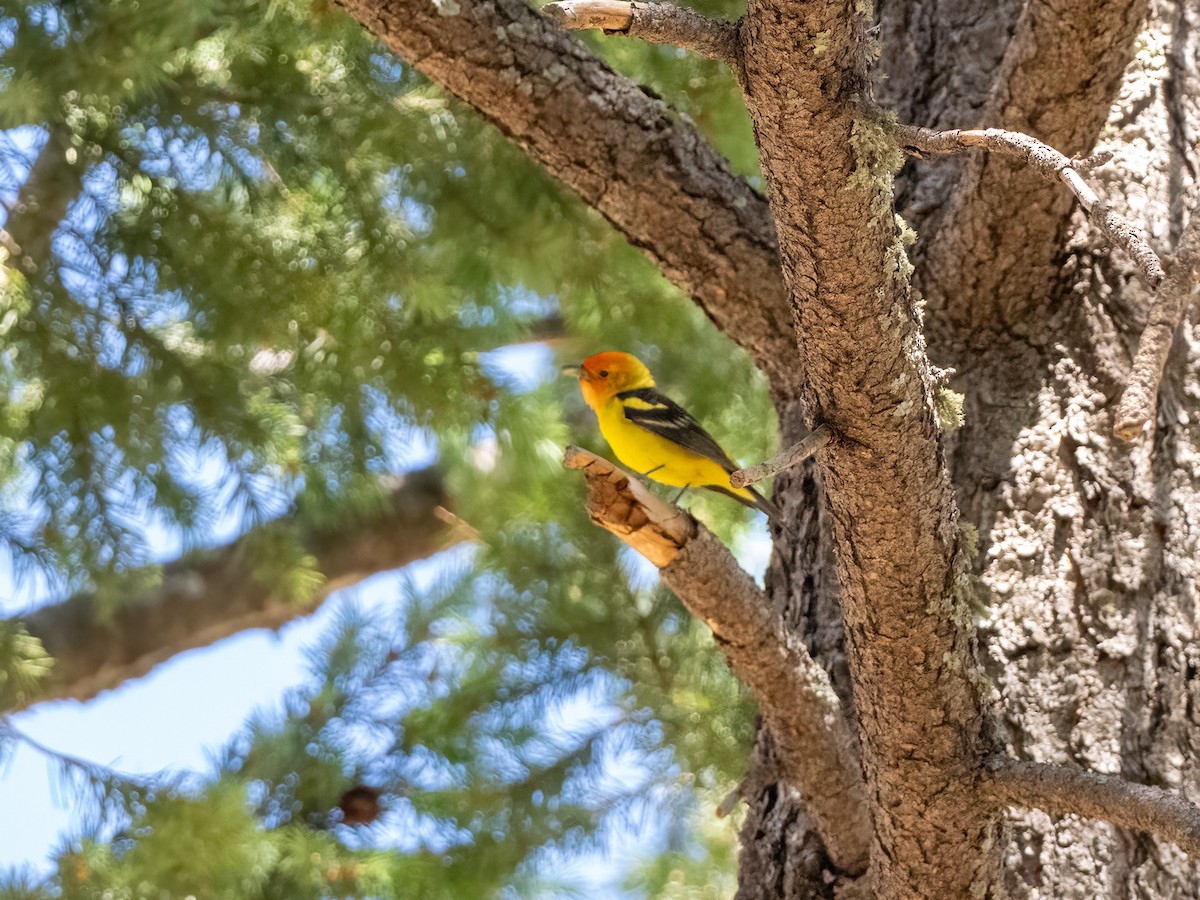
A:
{"points": [[623, 505]]}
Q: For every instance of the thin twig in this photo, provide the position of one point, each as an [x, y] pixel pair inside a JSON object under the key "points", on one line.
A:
{"points": [[1060, 790], [1048, 163], [1136, 408], [729, 804], [792, 456], [657, 23], [1095, 161]]}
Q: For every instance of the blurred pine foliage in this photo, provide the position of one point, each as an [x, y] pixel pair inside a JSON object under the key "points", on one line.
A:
{"points": [[266, 264]]}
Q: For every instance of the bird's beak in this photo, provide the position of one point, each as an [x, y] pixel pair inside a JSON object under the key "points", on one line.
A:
{"points": [[571, 371]]}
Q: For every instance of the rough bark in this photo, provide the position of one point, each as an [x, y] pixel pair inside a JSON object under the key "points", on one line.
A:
{"points": [[656, 23], [1061, 790], [213, 595], [1055, 82], [616, 146], [814, 747], [1087, 548], [1090, 546], [893, 521]]}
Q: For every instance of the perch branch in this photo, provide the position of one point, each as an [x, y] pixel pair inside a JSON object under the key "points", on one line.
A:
{"points": [[657, 23], [792, 456], [819, 754], [624, 506], [1136, 408], [1047, 162], [1059, 790]]}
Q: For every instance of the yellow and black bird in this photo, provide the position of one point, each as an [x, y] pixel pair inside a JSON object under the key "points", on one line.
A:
{"points": [[654, 435]]}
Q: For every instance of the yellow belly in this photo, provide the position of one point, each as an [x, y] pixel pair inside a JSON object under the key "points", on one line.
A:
{"points": [[656, 457]]}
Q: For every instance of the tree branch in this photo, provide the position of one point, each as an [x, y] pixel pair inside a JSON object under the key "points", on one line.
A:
{"points": [[820, 758], [1051, 165], [617, 147], [657, 23], [792, 456], [212, 595], [1136, 408], [42, 202], [1059, 790]]}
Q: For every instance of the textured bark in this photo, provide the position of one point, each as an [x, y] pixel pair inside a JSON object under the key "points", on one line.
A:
{"points": [[815, 749], [1140, 400], [1060, 790], [893, 521], [1055, 82], [1088, 548], [616, 146], [656, 23], [214, 595]]}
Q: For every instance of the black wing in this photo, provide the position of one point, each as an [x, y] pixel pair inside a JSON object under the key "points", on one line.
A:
{"points": [[661, 415]]}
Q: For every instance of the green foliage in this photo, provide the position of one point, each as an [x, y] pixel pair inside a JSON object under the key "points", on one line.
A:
{"points": [[279, 562], [288, 265], [24, 662]]}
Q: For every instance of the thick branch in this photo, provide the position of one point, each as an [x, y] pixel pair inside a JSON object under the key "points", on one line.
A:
{"points": [[1136, 409], [792, 456], [657, 23], [793, 692], [616, 146], [213, 595], [1061, 791], [1048, 163]]}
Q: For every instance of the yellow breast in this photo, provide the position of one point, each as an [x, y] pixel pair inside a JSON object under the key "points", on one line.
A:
{"points": [[656, 457]]}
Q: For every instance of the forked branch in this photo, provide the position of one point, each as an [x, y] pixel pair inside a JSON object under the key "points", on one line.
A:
{"points": [[1051, 165], [1060, 790], [1136, 407], [819, 754], [657, 23]]}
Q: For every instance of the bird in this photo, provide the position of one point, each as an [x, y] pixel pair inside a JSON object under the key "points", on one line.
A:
{"points": [[654, 435]]}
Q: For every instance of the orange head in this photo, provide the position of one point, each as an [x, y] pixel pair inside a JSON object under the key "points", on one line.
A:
{"points": [[604, 375]]}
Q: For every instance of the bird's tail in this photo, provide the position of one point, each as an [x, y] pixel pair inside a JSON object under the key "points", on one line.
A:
{"points": [[771, 508]]}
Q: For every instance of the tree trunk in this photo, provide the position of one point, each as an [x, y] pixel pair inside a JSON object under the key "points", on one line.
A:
{"points": [[1088, 546]]}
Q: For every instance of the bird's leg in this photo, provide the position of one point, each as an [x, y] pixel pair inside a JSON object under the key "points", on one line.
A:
{"points": [[680, 494], [652, 471]]}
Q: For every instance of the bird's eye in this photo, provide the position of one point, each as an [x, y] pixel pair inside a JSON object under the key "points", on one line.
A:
{"points": [[604, 373]]}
